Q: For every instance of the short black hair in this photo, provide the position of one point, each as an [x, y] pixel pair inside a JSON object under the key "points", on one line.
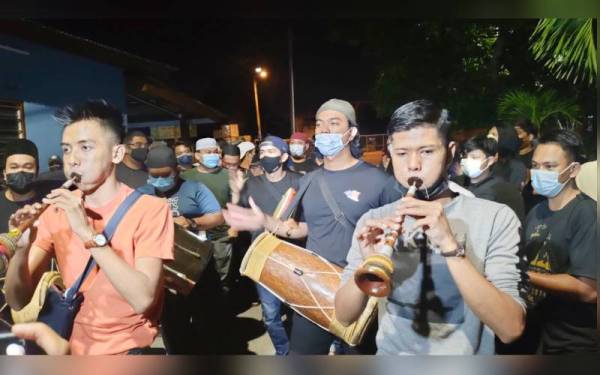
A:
{"points": [[489, 146], [568, 140], [527, 126], [183, 142], [229, 149], [135, 133], [420, 113], [107, 115]]}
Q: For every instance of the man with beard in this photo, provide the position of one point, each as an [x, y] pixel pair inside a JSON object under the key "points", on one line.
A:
{"points": [[355, 186], [455, 282], [131, 171]]}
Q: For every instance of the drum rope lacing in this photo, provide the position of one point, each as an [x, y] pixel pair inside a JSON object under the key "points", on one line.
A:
{"points": [[318, 305]]}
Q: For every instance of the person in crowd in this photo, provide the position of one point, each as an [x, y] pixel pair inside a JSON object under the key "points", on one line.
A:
{"points": [[478, 157], [356, 186], [508, 166], [561, 245], [184, 154], [55, 175], [526, 132], [189, 325], [231, 157], [131, 171], [123, 294], [266, 191], [210, 172], [459, 285], [300, 162], [20, 172]]}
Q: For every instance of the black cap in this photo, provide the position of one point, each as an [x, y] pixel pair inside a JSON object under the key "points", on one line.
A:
{"points": [[160, 157], [21, 146]]}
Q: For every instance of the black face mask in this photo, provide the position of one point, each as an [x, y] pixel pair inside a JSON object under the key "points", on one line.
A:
{"points": [[20, 182], [270, 164], [429, 193], [139, 154]]}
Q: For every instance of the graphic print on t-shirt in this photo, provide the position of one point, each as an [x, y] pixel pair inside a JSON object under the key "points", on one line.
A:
{"points": [[352, 195], [540, 262]]}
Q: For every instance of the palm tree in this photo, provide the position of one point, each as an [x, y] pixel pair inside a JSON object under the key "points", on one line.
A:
{"points": [[542, 108], [567, 48]]}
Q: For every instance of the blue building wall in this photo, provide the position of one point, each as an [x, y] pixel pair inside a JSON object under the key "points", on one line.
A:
{"points": [[47, 79]]}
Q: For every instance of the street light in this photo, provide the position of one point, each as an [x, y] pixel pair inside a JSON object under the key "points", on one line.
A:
{"points": [[262, 74]]}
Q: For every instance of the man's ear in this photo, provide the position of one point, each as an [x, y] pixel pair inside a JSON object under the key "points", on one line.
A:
{"points": [[118, 153], [353, 132], [575, 169], [451, 152]]}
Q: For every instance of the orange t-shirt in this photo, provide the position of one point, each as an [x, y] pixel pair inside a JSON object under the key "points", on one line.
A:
{"points": [[106, 323]]}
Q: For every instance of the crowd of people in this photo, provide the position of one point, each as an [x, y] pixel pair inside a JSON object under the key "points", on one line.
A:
{"points": [[508, 220]]}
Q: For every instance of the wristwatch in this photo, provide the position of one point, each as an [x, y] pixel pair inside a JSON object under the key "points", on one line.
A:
{"points": [[98, 240], [458, 252]]}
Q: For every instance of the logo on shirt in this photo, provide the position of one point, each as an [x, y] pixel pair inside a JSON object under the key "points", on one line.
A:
{"points": [[352, 194]]}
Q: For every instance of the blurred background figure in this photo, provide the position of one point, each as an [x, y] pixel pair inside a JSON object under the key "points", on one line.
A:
{"points": [[184, 154], [508, 166], [247, 151], [526, 132], [299, 161], [255, 167], [55, 174]]}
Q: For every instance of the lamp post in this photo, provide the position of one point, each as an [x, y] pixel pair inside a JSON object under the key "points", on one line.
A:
{"points": [[262, 74]]}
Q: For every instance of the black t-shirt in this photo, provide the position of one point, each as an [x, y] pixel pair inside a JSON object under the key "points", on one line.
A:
{"points": [[356, 190], [308, 165], [134, 178], [256, 187], [497, 190], [511, 170], [564, 242], [8, 208], [526, 159]]}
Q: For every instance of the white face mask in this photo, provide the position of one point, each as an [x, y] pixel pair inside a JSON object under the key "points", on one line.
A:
{"points": [[546, 183], [472, 167]]}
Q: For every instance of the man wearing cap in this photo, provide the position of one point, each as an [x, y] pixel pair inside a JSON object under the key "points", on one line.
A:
{"points": [[131, 171], [355, 186], [209, 171], [20, 171], [298, 151], [247, 151], [266, 192], [195, 208]]}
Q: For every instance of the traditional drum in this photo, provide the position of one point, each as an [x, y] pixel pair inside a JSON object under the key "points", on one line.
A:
{"points": [[191, 256], [305, 281]]}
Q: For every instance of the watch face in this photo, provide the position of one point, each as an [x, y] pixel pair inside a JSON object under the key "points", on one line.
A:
{"points": [[100, 240]]}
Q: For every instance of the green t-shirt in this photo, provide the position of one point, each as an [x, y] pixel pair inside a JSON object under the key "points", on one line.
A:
{"points": [[218, 183]]}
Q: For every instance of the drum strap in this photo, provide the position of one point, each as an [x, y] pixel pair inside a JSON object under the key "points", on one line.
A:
{"points": [[333, 206], [275, 194]]}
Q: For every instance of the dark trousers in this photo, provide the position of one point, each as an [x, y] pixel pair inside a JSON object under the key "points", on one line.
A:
{"points": [[308, 338], [193, 324]]}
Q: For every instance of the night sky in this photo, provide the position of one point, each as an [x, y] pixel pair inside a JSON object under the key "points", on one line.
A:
{"points": [[216, 59]]}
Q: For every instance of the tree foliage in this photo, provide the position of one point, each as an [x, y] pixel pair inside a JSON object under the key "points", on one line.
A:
{"points": [[543, 108], [567, 48]]}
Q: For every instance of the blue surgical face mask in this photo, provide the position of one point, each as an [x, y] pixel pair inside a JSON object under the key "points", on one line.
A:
{"points": [[162, 183], [296, 149], [210, 160], [185, 159], [546, 182], [329, 144]]}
